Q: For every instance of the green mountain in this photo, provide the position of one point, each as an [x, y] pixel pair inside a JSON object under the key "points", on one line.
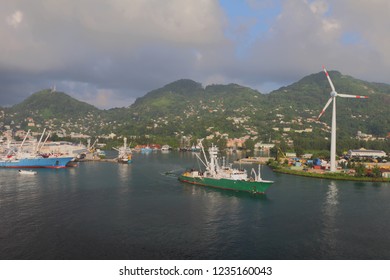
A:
{"points": [[53, 110], [53, 104], [311, 93], [186, 108]]}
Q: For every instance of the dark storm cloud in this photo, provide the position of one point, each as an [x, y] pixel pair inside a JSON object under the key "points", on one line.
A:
{"points": [[108, 53]]}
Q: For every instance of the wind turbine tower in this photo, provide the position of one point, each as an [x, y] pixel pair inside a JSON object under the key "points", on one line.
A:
{"points": [[333, 95]]}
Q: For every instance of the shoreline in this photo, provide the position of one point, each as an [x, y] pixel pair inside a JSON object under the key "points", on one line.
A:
{"points": [[331, 176]]}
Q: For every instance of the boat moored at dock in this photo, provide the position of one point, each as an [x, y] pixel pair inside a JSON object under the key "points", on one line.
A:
{"points": [[34, 161], [15, 157], [124, 153]]}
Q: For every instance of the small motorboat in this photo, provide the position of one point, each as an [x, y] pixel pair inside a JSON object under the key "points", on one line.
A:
{"points": [[27, 172]]}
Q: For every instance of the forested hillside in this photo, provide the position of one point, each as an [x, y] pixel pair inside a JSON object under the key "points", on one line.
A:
{"points": [[287, 116]]}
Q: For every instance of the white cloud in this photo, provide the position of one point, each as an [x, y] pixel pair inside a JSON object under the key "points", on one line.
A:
{"points": [[128, 47], [319, 7], [125, 45], [307, 34], [330, 25], [68, 31], [103, 98], [15, 19], [215, 79], [369, 19]]}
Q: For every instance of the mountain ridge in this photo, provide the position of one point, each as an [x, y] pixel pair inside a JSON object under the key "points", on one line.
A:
{"points": [[185, 107]]}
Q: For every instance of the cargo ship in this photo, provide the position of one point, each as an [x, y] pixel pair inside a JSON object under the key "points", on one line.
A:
{"points": [[16, 157], [224, 176], [34, 161]]}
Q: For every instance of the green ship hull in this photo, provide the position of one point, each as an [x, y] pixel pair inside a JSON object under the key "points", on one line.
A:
{"points": [[228, 184]]}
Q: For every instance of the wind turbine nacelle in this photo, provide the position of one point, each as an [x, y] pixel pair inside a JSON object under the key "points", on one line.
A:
{"points": [[333, 94]]}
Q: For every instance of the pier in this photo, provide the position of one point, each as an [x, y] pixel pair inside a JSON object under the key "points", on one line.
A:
{"points": [[99, 160], [91, 157], [253, 160]]}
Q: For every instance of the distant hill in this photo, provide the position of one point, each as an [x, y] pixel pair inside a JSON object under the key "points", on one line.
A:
{"points": [[312, 92], [168, 99], [54, 110], [186, 108], [53, 104]]}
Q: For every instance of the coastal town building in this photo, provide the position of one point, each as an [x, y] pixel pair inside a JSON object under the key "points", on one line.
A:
{"points": [[264, 146], [363, 153], [79, 135], [235, 143]]}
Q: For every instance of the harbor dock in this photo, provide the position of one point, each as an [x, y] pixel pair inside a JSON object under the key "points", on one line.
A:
{"points": [[253, 160]]}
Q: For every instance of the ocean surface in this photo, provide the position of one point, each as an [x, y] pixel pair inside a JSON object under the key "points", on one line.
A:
{"points": [[102, 210]]}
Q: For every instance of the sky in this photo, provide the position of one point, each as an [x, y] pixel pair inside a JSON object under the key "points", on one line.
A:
{"points": [[109, 52]]}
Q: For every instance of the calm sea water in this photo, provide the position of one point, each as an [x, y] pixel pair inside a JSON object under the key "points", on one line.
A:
{"points": [[135, 211]]}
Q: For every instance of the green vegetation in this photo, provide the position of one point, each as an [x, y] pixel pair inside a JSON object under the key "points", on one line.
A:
{"points": [[286, 116], [329, 175], [52, 105]]}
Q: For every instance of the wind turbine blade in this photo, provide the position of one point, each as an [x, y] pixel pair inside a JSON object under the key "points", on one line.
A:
{"points": [[326, 106], [330, 81], [352, 96]]}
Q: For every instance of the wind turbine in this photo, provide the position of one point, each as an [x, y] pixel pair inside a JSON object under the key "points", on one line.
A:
{"points": [[333, 95]]}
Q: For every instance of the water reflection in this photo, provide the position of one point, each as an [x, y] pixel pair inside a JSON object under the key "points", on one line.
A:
{"points": [[262, 153], [72, 176], [220, 218], [332, 196], [330, 211], [221, 193], [124, 172], [25, 180], [359, 184]]}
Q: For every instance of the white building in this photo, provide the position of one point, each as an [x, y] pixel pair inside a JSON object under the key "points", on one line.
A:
{"points": [[366, 153], [264, 146]]}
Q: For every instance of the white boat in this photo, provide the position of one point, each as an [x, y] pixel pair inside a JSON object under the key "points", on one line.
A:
{"points": [[100, 153], [166, 148], [27, 172], [124, 152]]}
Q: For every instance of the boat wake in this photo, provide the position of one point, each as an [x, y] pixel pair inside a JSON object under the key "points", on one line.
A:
{"points": [[172, 173]]}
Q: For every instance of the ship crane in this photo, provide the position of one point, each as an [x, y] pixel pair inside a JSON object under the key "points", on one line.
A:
{"points": [[92, 148]]}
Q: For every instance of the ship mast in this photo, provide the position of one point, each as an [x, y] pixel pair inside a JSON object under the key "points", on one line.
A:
{"points": [[213, 151], [44, 142], [25, 137], [40, 140], [204, 155], [259, 174]]}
